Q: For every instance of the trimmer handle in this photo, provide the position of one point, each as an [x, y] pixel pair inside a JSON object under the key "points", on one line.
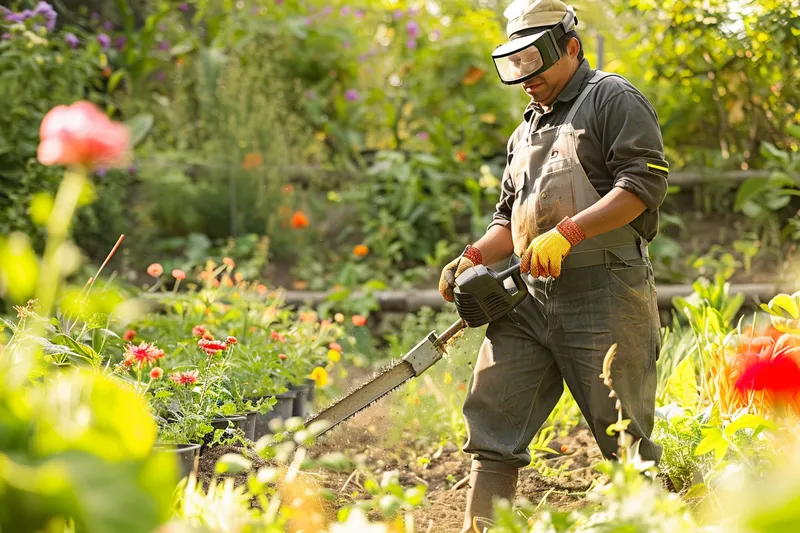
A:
{"points": [[516, 276]]}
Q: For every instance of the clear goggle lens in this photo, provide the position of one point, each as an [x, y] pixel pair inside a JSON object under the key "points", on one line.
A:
{"points": [[518, 59]]}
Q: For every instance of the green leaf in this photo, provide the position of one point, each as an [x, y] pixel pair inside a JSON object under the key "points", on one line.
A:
{"points": [[749, 190], [782, 302], [115, 79], [336, 461], [793, 130], [682, 384], [699, 490], [140, 125], [748, 421], [182, 48], [713, 440], [771, 152], [371, 486]]}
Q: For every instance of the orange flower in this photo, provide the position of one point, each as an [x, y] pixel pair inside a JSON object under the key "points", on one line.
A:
{"points": [[107, 72], [227, 281], [299, 220], [335, 346], [461, 156], [300, 284], [155, 270], [359, 320], [473, 76], [287, 189], [156, 373], [232, 340], [179, 274], [308, 316], [252, 160], [81, 134], [361, 250], [564, 448], [228, 262], [325, 323], [282, 356], [261, 288]]}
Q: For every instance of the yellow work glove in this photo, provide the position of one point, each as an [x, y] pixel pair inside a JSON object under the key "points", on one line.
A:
{"points": [[447, 282], [544, 255]]}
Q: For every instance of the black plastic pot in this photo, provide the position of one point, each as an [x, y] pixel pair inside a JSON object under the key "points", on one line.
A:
{"points": [[302, 406], [250, 425], [312, 390], [236, 422], [282, 409], [184, 453]]}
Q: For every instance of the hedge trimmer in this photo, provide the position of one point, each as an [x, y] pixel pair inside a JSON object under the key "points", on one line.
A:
{"points": [[481, 296]]}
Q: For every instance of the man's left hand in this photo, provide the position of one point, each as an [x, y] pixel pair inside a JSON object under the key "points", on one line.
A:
{"points": [[545, 254]]}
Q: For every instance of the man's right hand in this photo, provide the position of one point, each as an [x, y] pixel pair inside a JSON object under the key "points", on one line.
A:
{"points": [[447, 282]]}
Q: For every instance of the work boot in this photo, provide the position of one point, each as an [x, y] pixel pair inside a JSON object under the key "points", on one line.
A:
{"points": [[487, 480]]}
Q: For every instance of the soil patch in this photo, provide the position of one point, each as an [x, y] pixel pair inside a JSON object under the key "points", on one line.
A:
{"points": [[561, 479]]}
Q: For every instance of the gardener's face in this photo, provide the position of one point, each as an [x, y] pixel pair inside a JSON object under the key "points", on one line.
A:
{"points": [[545, 88]]}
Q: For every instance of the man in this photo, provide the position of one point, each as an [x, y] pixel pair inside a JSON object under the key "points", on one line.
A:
{"points": [[584, 179]]}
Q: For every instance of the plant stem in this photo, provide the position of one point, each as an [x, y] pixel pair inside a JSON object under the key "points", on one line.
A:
{"points": [[57, 230]]}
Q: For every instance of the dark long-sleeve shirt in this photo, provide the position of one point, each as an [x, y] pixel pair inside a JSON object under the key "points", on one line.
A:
{"points": [[619, 144]]}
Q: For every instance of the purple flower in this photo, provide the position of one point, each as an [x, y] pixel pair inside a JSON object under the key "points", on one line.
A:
{"points": [[255, 10], [398, 14], [413, 11], [132, 170], [346, 45], [411, 44], [351, 95], [358, 13], [95, 16], [100, 171], [163, 45], [345, 11], [17, 17], [413, 29], [309, 21], [278, 2], [184, 7], [310, 95], [120, 44], [327, 11], [363, 57], [49, 14], [72, 40], [108, 25], [160, 76], [435, 34], [104, 40], [423, 136], [6, 36]]}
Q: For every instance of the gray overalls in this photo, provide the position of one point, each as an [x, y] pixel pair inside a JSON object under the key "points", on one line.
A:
{"points": [[562, 331]]}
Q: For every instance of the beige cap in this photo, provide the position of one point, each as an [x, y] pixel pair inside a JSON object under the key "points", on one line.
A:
{"points": [[526, 14]]}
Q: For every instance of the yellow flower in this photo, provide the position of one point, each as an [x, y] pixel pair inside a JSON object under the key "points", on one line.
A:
{"points": [[320, 376], [448, 378], [334, 356], [338, 317]]}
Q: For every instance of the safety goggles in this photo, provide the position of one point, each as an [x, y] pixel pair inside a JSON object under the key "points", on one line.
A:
{"points": [[523, 58]]}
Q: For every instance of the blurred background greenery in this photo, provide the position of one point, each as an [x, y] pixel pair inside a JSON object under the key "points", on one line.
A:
{"points": [[285, 133]]}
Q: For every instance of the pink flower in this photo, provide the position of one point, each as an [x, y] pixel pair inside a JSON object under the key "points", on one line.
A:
{"points": [[155, 270], [83, 135], [351, 95], [156, 373], [145, 353], [282, 356], [335, 346], [211, 347], [185, 378], [179, 274], [198, 331]]}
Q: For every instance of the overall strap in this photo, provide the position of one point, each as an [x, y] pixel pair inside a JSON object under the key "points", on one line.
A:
{"points": [[599, 75]]}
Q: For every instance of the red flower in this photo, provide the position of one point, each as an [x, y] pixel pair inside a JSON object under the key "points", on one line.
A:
{"points": [[277, 336], [359, 320], [156, 373], [179, 274], [211, 347], [155, 270], [145, 353], [778, 373], [129, 335], [198, 331], [232, 340], [335, 346], [185, 378], [461, 156], [282, 356], [299, 220], [81, 134]]}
